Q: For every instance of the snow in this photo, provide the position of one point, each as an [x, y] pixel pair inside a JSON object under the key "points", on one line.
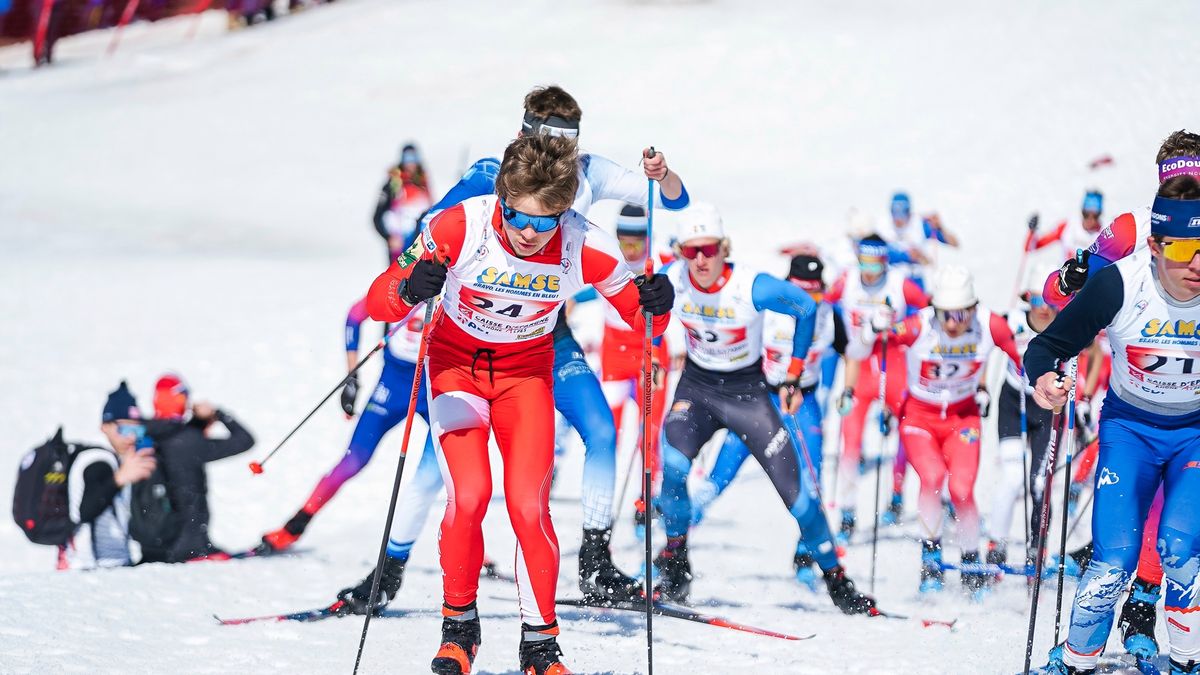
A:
{"points": [[203, 206]]}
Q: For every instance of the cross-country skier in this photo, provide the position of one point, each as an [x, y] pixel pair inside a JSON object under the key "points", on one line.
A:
{"points": [[1071, 234], [948, 343], [1149, 304], [403, 198], [778, 333], [875, 285], [511, 261], [915, 243], [1012, 458], [721, 306]]}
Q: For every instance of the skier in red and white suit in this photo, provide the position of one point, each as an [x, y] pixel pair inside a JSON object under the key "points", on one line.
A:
{"points": [[948, 348], [508, 262]]}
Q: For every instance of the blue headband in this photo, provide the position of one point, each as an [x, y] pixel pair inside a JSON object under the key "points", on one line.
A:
{"points": [[1175, 218], [1093, 202]]}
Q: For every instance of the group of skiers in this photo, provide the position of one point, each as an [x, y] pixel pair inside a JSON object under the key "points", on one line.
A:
{"points": [[508, 249]]}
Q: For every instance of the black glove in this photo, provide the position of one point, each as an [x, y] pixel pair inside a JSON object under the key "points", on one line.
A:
{"points": [[425, 282], [983, 400], [655, 293], [356, 597], [1033, 222], [349, 394], [1074, 273]]}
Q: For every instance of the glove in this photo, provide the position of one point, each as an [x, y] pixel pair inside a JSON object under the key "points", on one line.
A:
{"points": [[882, 319], [425, 282], [1074, 273], [984, 400], [1083, 412], [349, 394], [655, 293], [845, 402], [356, 598], [1033, 222], [789, 393], [889, 420]]}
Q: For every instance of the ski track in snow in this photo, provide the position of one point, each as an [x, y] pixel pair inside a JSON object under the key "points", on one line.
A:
{"points": [[204, 206]]}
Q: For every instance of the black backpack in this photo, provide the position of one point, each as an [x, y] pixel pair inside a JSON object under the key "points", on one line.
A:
{"points": [[154, 521], [40, 503]]}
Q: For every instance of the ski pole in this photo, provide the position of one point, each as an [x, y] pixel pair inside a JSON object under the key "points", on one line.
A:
{"points": [[1030, 245], [126, 16], [883, 433], [439, 258], [812, 471], [647, 413], [1024, 460], [1069, 439], [1043, 526], [257, 467]]}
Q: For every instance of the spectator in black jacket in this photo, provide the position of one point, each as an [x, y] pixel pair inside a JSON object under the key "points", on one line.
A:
{"points": [[183, 448]]}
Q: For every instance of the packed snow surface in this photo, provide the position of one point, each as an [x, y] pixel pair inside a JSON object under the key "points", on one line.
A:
{"points": [[203, 205]]}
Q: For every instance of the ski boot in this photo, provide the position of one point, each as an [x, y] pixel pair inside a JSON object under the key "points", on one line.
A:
{"points": [[894, 511], [974, 583], [1188, 668], [460, 641], [540, 651], [1055, 665], [933, 579], [997, 554], [802, 563], [279, 540], [1137, 620], [846, 531], [674, 571], [843, 593], [599, 579], [356, 598]]}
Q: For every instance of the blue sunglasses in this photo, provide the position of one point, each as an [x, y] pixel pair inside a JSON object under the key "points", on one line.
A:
{"points": [[523, 220], [1036, 301]]}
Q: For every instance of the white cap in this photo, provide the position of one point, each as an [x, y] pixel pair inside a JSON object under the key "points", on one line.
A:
{"points": [[859, 224], [699, 221], [953, 288], [1037, 277]]}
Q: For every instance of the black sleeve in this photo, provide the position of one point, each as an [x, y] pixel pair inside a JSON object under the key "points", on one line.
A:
{"points": [[239, 440], [386, 195], [99, 488], [839, 332], [1092, 309]]}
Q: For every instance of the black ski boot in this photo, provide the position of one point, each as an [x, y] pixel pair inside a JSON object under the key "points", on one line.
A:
{"points": [[540, 651], [599, 579], [279, 540], [843, 593], [933, 579], [461, 638], [674, 572], [1138, 616], [356, 598]]}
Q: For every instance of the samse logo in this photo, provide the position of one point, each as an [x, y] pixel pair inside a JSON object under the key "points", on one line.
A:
{"points": [[1194, 222]]}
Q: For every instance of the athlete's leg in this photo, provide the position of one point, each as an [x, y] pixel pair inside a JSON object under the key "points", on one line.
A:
{"points": [[961, 451], [730, 457], [925, 453], [807, 423], [526, 441], [579, 397], [829, 366], [461, 419], [416, 498], [1127, 477], [897, 382], [1150, 567], [1178, 536], [757, 420], [687, 427], [1038, 422], [865, 392]]}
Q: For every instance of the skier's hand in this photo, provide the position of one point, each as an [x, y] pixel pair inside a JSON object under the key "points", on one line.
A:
{"points": [[425, 282], [655, 293], [845, 402], [1083, 412], [136, 468], [204, 411], [349, 395], [790, 396], [882, 318], [658, 375], [984, 400], [1033, 223], [654, 164], [1074, 273], [1051, 390]]}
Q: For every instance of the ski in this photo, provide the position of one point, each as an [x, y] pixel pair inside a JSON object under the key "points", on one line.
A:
{"points": [[680, 612], [1123, 664], [306, 616], [925, 623], [990, 568]]}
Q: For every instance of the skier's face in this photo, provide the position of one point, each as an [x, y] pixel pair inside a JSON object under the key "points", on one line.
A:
{"points": [[1040, 312], [705, 269], [121, 435], [1091, 221], [955, 322], [632, 247], [1179, 278], [528, 241]]}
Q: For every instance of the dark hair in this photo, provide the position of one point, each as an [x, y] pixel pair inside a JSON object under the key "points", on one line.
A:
{"points": [[544, 167], [873, 239], [1179, 144], [553, 100], [1186, 188]]}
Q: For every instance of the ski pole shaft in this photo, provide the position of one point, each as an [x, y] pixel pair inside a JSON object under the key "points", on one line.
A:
{"points": [[883, 435], [1024, 459], [377, 577], [1069, 440], [647, 415], [1043, 526], [257, 467]]}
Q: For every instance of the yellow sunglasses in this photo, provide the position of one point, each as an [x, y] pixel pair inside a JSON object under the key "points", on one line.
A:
{"points": [[1181, 250]]}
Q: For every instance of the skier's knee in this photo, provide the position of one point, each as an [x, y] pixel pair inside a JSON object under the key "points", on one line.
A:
{"points": [[1178, 552], [676, 465], [1101, 586]]}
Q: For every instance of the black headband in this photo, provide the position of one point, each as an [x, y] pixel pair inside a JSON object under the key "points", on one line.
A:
{"points": [[551, 125]]}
